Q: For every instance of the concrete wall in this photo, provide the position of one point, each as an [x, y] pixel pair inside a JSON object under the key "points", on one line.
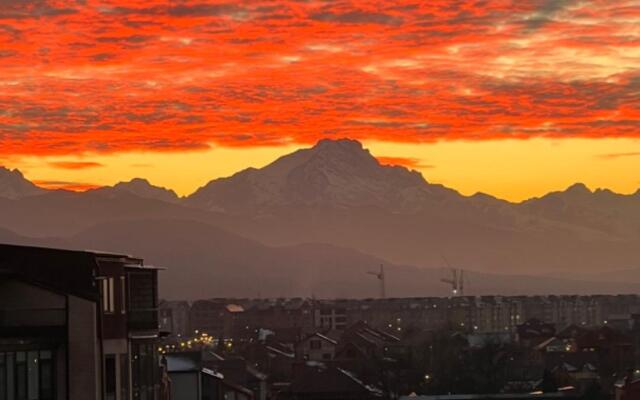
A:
{"points": [[21, 296], [84, 351]]}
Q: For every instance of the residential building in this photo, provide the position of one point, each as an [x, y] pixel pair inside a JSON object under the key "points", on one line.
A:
{"points": [[190, 380], [316, 347], [77, 325]]}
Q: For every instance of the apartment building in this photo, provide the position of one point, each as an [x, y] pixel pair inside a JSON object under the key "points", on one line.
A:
{"points": [[77, 325]]}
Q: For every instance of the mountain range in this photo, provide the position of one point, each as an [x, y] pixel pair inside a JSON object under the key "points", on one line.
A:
{"points": [[314, 221]]}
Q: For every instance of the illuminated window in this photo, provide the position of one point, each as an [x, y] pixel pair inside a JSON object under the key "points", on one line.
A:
{"points": [[108, 302]]}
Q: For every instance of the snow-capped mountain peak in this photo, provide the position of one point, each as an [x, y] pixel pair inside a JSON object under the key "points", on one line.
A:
{"points": [[13, 185], [335, 173]]}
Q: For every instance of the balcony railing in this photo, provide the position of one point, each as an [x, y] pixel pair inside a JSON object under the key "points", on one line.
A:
{"points": [[16, 318]]}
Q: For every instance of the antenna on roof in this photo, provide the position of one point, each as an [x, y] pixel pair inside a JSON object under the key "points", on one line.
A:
{"points": [[381, 278]]}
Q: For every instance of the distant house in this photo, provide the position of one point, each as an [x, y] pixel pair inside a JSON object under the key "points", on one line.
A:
{"points": [[316, 347], [239, 371], [77, 325], [607, 349], [215, 317], [190, 380], [533, 332], [174, 317], [315, 381], [274, 358], [362, 349], [361, 340]]}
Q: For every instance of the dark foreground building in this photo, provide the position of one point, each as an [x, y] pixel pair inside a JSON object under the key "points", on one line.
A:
{"points": [[77, 325]]}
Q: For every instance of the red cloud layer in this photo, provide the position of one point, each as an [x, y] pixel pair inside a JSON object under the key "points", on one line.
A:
{"points": [[168, 76], [411, 163], [62, 185], [75, 164]]}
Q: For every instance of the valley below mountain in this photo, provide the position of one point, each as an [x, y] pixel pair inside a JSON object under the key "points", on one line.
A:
{"points": [[315, 221]]}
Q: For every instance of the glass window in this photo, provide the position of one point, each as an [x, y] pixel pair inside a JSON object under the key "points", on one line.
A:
{"points": [[3, 378], [27, 375], [33, 375], [110, 377], [105, 295], [112, 307], [46, 376], [123, 299], [21, 376], [108, 305], [11, 388]]}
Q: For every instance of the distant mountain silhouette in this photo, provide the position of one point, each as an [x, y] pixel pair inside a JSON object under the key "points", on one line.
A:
{"points": [[337, 195], [601, 210], [141, 188], [13, 185], [203, 261], [333, 173]]}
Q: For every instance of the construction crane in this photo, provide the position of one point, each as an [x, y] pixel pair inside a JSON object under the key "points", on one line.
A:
{"points": [[456, 281], [380, 276]]}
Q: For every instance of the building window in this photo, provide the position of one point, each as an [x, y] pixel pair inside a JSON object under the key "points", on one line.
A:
{"points": [[110, 377], [145, 369], [108, 301], [123, 299], [33, 376], [315, 344], [46, 375], [3, 377], [27, 375]]}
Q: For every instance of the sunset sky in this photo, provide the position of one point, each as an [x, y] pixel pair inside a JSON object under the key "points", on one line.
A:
{"points": [[512, 98]]}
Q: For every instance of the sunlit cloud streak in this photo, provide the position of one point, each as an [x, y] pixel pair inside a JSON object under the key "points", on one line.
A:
{"points": [[74, 164], [65, 185], [408, 162]]}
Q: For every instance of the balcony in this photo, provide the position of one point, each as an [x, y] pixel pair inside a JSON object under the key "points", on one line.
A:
{"points": [[145, 319]]}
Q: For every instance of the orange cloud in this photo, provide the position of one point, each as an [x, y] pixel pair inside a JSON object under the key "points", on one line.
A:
{"points": [[610, 156], [411, 163], [75, 164], [64, 185], [131, 75]]}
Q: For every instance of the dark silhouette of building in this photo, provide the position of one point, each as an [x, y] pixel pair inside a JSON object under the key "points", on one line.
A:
{"points": [[191, 380], [77, 325]]}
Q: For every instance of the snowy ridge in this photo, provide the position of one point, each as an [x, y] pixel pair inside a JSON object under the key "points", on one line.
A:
{"points": [[337, 173], [13, 185]]}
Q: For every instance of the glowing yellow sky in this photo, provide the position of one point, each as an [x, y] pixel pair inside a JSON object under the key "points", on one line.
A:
{"points": [[509, 169]]}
